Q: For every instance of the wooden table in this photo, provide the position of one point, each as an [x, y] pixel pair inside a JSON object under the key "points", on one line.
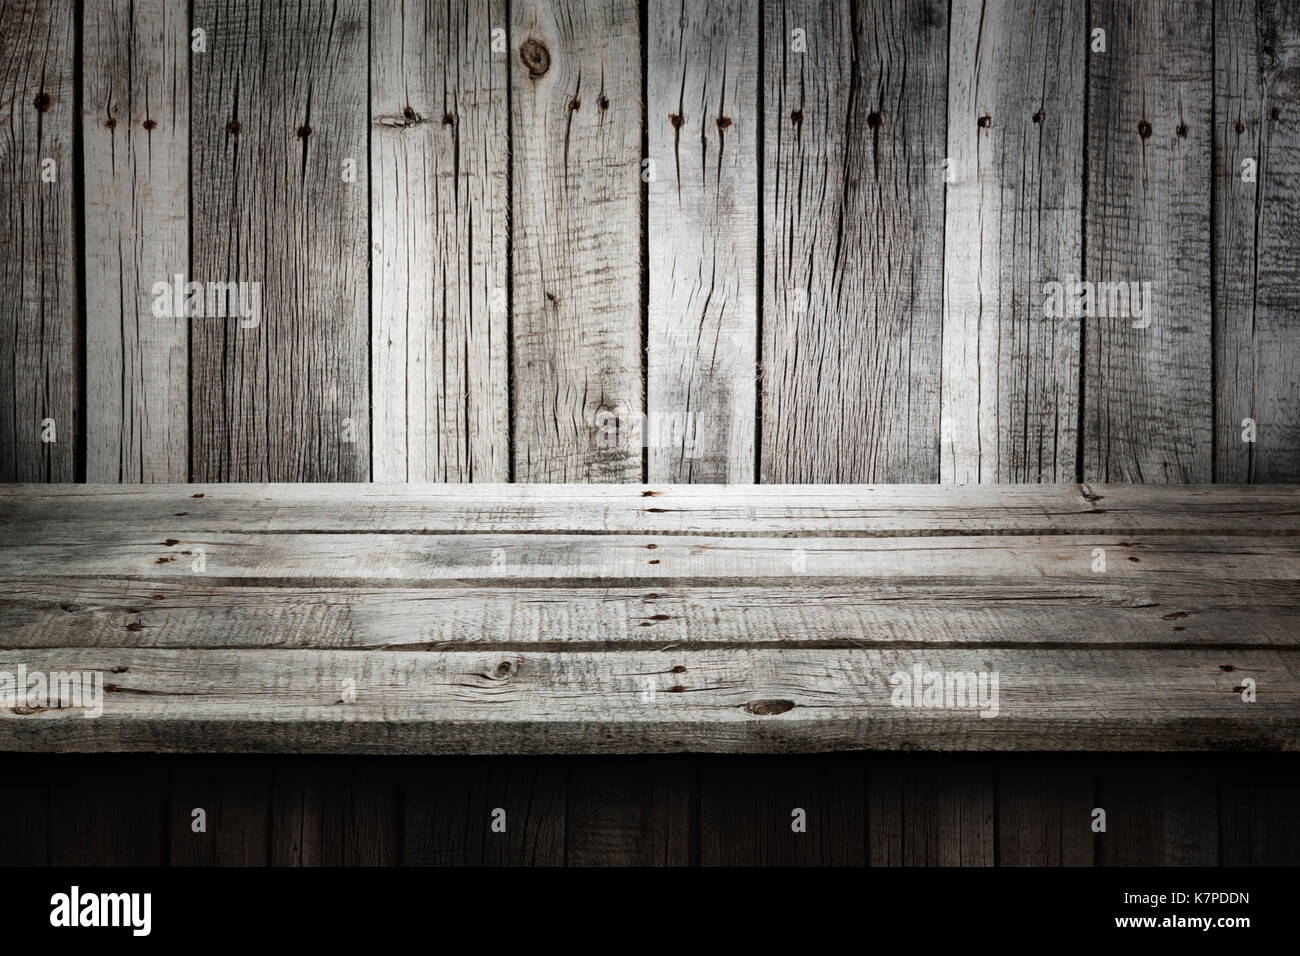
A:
{"points": [[608, 619]]}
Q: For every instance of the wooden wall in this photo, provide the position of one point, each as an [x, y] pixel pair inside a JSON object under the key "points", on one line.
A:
{"points": [[539, 240]]}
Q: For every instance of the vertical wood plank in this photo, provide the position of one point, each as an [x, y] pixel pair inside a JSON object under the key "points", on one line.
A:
{"points": [[1258, 796], [135, 134], [629, 811], [1013, 213], [1256, 255], [1147, 391], [279, 105], [111, 812], [450, 806], [930, 810], [235, 794], [747, 808], [40, 376], [576, 149], [853, 244], [1045, 804], [1159, 814], [336, 811], [702, 82], [439, 216]]}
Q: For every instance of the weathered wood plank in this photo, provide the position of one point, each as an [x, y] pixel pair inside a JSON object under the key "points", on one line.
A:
{"points": [[98, 612], [631, 811], [279, 110], [439, 211], [359, 559], [451, 806], [1256, 257], [1045, 805], [1148, 403], [783, 811], [1012, 215], [40, 376], [69, 513], [853, 240], [576, 149], [135, 126], [924, 810], [1154, 818], [702, 78], [784, 700]]}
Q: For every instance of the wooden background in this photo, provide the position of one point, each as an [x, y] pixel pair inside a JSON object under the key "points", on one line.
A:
{"points": [[797, 288]]}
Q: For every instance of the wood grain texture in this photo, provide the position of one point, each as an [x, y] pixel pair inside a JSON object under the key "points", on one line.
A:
{"points": [[279, 104], [1256, 257], [1016, 76], [576, 151], [761, 701], [1147, 389], [135, 126], [1045, 804], [1156, 819], [631, 811], [853, 241], [749, 811], [235, 794], [927, 810], [335, 812], [703, 127], [439, 218], [40, 374]]}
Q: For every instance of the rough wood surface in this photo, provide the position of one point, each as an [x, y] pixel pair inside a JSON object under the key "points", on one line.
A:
{"points": [[1012, 214], [40, 358], [439, 217], [1256, 256], [279, 105], [135, 126], [1148, 397], [853, 240], [652, 639], [576, 167], [702, 77]]}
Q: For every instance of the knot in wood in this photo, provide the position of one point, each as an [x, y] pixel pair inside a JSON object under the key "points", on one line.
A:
{"points": [[535, 56]]}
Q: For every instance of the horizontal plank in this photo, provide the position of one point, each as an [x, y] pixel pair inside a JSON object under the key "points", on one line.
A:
{"points": [[99, 612], [656, 701], [66, 512], [432, 559]]}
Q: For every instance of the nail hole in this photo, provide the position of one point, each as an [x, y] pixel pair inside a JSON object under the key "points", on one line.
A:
{"points": [[150, 124], [408, 112], [575, 104], [1144, 129], [603, 102], [985, 121], [110, 123], [1274, 113], [233, 129], [42, 102], [449, 119], [1241, 127], [676, 120], [873, 120], [1038, 117], [724, 122], [679, 669], [304, 131], [796, 117]]}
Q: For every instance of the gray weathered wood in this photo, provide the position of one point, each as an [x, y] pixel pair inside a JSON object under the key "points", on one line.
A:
{"points": [[68, 513], [135, 126], [702, 79], [853, 240], [1147, 390], [40, 366], [576, 150], [439, 160], [1012, 216], [279, 106], [617, 702], [1256, 256]]}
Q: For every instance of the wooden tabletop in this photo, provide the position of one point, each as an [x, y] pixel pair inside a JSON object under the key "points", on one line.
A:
{"points": [[564, 618]]}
